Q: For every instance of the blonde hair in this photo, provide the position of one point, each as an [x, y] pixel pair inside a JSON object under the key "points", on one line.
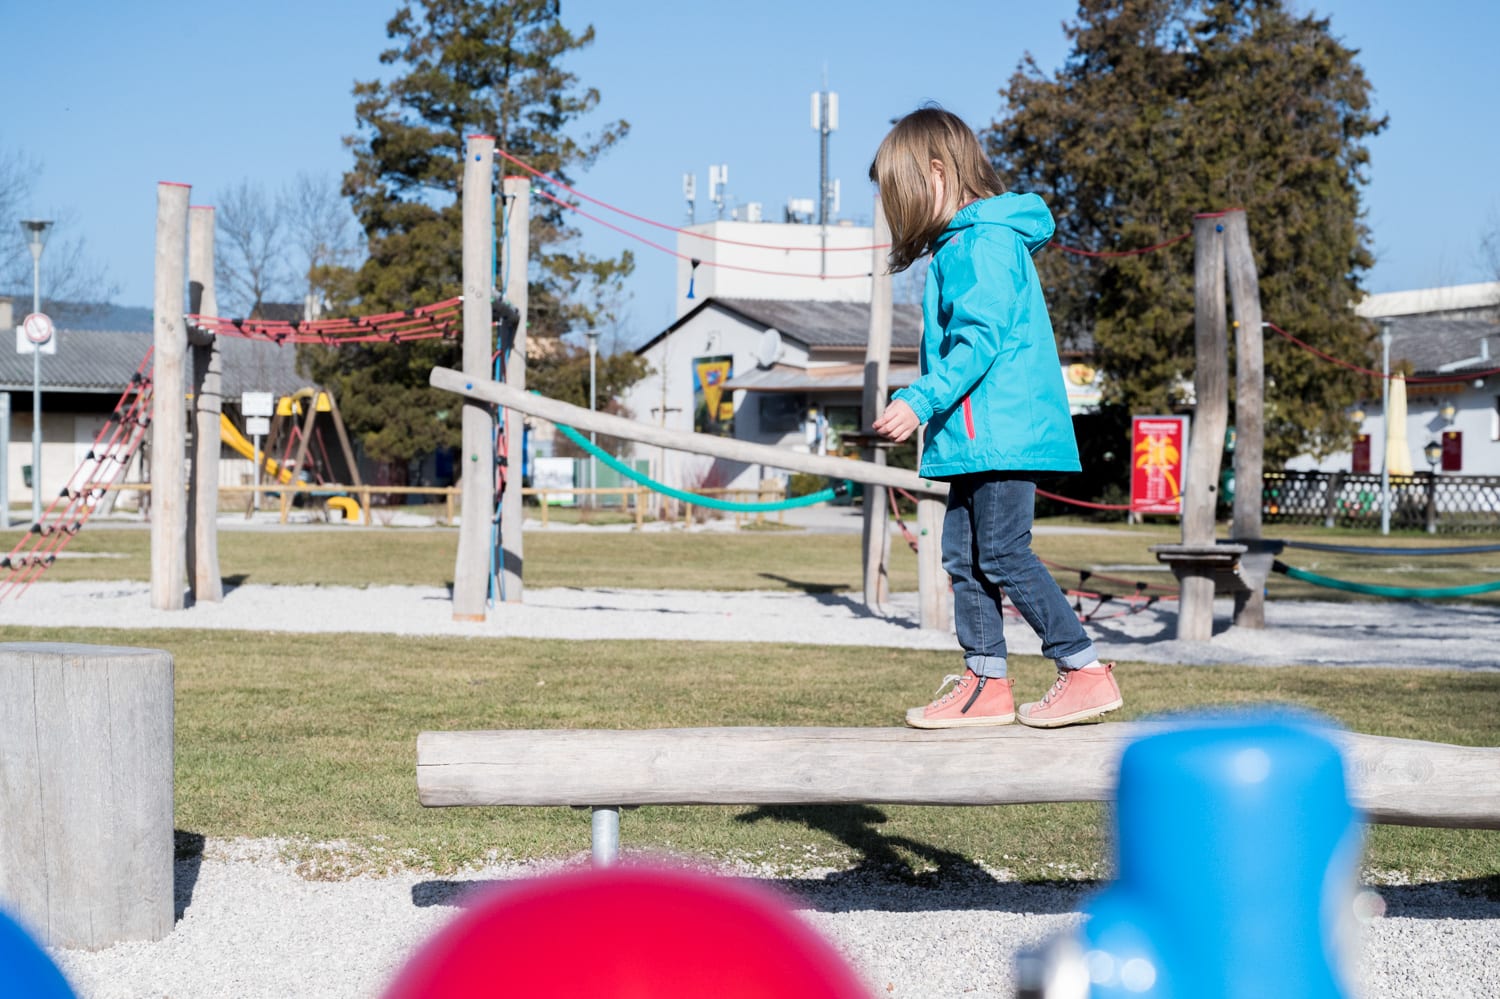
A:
{"points": [[902, 169]]}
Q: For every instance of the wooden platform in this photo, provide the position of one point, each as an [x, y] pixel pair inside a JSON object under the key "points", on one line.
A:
{"points": [[1398, 781]]}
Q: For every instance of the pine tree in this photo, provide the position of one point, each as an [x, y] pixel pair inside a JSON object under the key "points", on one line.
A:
{"points": [[467, 66], [1165, 108]]}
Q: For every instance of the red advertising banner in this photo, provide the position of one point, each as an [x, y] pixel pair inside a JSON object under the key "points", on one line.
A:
{"points": [[1158, 454]]}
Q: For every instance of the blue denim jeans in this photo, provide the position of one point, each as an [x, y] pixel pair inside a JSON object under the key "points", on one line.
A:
{"points": [[987, 552]]}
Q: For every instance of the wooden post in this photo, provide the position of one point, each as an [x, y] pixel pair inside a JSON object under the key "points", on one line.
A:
{"points": [[168, 414], [517, 257], [304, 446], [343, 435], [1401, 781], [1195, 603], [728, 448], [203, 487], [877, 533], [1249, 425], [86, 791], [935, 599], [471, 573]]}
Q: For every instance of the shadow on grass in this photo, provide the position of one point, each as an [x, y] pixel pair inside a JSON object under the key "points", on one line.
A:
{"points": [[187, 859], [1465, 898], [883, 876], [881, 879]]}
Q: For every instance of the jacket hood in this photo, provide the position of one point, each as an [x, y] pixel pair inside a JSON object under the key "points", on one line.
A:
{"points": [[1027, 214]]}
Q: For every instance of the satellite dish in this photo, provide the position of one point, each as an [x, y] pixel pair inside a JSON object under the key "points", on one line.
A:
{"points": [[769, 351]]}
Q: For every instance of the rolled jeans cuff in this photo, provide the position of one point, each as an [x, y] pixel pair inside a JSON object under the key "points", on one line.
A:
{"points": [[1078, 660], [992, 666]]}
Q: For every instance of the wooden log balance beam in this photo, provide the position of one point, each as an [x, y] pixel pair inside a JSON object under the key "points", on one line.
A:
{"points": [[728, 448], [1393, 781]]}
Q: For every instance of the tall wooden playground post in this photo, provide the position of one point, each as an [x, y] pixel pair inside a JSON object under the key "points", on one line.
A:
{"points": [[168, 415], [1221, 240], [471, 573]]}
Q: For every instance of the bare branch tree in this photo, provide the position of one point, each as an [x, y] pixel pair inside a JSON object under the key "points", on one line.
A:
{"points": [[72, 283], [1489, 246], [251, 248], [323, 231]]}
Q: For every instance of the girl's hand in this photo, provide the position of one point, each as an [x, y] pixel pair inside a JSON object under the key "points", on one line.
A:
{"points": [[897, 423]]}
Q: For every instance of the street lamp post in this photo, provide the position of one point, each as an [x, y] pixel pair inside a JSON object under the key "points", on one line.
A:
{"points": [[36, 239], [593, 336], [1385, 409]]}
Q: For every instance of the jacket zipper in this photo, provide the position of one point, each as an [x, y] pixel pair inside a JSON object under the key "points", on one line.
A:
{"points": [[969, 417]]}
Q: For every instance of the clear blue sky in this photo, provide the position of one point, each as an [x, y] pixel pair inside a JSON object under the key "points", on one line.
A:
{"points": [[111, 97]]}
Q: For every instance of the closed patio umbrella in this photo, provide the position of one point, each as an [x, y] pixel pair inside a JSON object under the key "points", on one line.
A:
{"points": [[1397, 448]]}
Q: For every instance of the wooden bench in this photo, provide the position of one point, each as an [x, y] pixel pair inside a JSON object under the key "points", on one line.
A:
{"points": [[1400, 781]]}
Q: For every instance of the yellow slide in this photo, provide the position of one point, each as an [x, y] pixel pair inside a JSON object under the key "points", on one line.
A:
{"points": [[231, 435]]}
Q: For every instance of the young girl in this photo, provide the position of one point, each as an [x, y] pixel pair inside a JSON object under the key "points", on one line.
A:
{"points": [[991, 394]]}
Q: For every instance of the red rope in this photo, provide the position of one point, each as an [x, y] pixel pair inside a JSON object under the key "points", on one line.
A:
{"points": [[694, 260], [1101, 506], [1109, 254], [676, 228], [1436, 379]]}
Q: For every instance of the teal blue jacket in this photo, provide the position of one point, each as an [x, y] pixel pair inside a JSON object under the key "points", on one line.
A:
{"points": [[991, 389]]}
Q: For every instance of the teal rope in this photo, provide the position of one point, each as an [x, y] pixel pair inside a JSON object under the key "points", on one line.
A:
{"points": [[812, 499], [1397, 592]]}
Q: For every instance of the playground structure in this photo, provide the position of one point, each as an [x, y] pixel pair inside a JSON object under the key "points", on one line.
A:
{"points": [[313, 461], [490, 556]]}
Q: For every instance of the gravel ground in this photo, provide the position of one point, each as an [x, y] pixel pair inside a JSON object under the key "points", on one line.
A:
{"points": [[250, 925]]}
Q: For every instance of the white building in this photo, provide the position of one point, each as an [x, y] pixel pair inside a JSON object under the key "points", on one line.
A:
{"points": [[1441, 333], [765, 260], [785, 373]]}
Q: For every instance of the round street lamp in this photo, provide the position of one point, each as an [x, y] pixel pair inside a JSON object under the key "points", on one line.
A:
{"points": [[36, 239]]}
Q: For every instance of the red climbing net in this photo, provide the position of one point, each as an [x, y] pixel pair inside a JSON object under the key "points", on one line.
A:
{"points": [[109, 456], [425, 322]]}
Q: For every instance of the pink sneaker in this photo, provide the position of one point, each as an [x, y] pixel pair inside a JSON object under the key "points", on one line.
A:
{"points": [[1078, 695], [973, 700]]}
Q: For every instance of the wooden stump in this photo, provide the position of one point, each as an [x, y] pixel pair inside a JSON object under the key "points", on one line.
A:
{"points": [[86, 792]]}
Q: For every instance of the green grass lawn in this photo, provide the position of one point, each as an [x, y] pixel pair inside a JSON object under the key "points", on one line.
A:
{"points": [[312, 737], [742, 560]]}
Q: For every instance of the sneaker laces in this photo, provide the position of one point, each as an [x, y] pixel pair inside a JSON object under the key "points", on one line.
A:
{"points": [[957, 679], [1058, 685]]}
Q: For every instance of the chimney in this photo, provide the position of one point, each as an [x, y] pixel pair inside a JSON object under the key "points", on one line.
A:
{"points": [[7, 314]]}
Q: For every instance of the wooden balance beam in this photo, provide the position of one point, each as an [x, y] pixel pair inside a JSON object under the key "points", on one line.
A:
{"points": [[1394, 781]]}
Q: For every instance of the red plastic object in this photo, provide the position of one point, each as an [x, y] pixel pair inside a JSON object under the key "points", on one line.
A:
{"points": [[627, 934]]}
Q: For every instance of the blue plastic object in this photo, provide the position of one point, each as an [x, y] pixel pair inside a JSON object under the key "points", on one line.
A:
{"points": [[25, 969], [1238, 860]]}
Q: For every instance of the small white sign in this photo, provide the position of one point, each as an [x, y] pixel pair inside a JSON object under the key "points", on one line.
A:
{"points": [[257, 426], [257, 403], [38, 327], [25, 346]]}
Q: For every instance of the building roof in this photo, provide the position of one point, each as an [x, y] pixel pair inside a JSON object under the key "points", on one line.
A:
{"points": [[1425, 301], [1440, 346], [831, 378], [813, 324], [103, 360]]}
